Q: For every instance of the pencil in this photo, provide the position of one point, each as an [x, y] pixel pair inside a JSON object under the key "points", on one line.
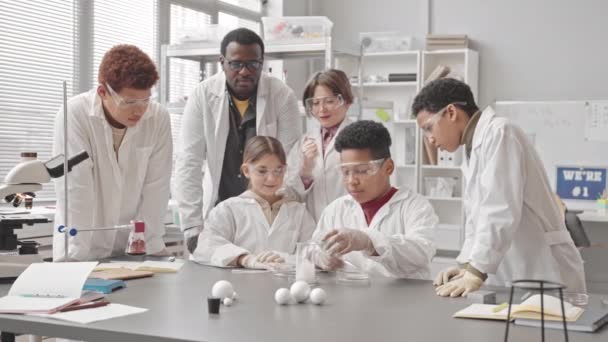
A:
{"points": [[86, 306]]}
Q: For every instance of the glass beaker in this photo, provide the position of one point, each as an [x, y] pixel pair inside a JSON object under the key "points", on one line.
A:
{"points": [[136, 244], [305, 266]]}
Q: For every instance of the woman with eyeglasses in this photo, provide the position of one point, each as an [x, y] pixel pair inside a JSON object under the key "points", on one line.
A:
{"points": [[313, 161], [128, 138], [261, 226]]}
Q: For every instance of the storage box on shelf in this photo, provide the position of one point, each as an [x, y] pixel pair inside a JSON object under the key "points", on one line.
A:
{"points": [[296, 29]]}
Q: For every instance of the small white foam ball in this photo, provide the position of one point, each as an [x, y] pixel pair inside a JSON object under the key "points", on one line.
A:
{"points": [[300, 291], [222, 289], [282, 296], [318, 296], [235, 296], [227, 301]]}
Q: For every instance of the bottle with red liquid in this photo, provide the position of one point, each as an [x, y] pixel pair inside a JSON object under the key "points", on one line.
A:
{"points": [[137, 242]]}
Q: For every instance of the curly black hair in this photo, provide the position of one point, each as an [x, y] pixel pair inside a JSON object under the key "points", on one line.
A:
{"points": [[442, 92], [243, 36], [365, 134]]}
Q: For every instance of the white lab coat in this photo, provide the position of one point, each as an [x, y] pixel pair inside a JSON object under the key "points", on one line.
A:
{"points": [[203, 138], [327, 180], [237, 226], [402, 232], [514, 229], [104, 191]]}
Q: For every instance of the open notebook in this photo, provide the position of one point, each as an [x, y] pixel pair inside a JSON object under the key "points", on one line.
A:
{"points": [[47, 288], [148, 265], [528, 309]]}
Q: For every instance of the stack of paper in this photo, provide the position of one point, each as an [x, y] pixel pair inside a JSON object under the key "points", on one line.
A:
{"points": [[95, 314], [446, 41], [150, 266], [39, 289]]}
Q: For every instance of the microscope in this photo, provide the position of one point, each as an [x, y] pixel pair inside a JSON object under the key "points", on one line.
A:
{"points": [[26, 177]]}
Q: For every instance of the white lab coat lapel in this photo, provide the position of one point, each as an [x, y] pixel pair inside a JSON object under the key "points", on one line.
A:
{"points": [[330, 146], [260, 106], [282, 220], [354, 208], [218, 102], [387, 208], [98, 112], [471, 167]]}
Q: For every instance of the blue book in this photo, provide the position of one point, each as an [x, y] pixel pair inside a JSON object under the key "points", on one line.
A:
{"points": [[103, 285]]}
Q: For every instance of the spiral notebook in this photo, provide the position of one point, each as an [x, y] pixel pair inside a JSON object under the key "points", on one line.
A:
{"points": [[47, 287]]}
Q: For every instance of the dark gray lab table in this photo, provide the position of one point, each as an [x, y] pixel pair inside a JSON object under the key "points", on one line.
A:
{"points": [[386, 310]]}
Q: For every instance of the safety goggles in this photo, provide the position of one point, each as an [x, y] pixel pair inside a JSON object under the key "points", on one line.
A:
{"points": [[361, 170], [314, 104], [427, 127], [264, 172], [121, 102], [253, 65]]}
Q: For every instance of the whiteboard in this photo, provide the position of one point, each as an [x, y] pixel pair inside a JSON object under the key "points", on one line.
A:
{"points": [[557, 130]]}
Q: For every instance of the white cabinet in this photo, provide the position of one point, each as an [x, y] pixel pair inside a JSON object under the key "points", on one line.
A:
{"points": [[388, 101]]}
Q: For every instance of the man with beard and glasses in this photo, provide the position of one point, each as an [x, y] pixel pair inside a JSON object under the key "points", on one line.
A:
{"points": [[222, 113]]}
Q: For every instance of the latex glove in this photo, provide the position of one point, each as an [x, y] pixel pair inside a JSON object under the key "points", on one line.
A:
{"points": [[270, 257], [309, 156], [469, 282], [448, 274], [342, 241], [260, 261], [191, 237], [327, 262], [191, 243]]}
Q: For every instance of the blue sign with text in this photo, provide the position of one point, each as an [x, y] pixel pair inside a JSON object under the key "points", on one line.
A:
{"points": [[577, 183]]}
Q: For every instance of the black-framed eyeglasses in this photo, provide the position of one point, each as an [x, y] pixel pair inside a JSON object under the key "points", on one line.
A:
{"points": [[253, 65]]}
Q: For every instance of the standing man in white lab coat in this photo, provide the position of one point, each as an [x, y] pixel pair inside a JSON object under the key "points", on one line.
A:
{"points": [[376, 228], [514, 229], [128, 139], [221, 114]]}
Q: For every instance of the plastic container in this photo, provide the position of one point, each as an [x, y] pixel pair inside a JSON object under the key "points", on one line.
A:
{"points": [[211, 34], [385, 41], [440, 187], [296, 29], [350, 274], [284, 270]]}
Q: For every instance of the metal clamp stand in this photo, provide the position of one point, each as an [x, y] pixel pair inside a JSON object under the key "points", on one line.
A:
{"points": [[542, 286]]}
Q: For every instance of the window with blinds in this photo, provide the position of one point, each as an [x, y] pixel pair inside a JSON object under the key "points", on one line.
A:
{"points": [[252, 5], [184, 74], [123, 22], [38, 53]]}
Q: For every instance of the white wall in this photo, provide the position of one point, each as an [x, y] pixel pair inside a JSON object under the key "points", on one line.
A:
{"points": [[529, 49]]}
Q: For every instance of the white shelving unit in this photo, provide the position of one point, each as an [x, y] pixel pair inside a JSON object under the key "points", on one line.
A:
{"points": [[204, 54], [387, 84], [411, 172], [398, 96], [464, 65]]}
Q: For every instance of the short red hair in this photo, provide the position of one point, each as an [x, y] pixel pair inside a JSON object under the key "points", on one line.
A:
{"points": [[127, 66]]}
